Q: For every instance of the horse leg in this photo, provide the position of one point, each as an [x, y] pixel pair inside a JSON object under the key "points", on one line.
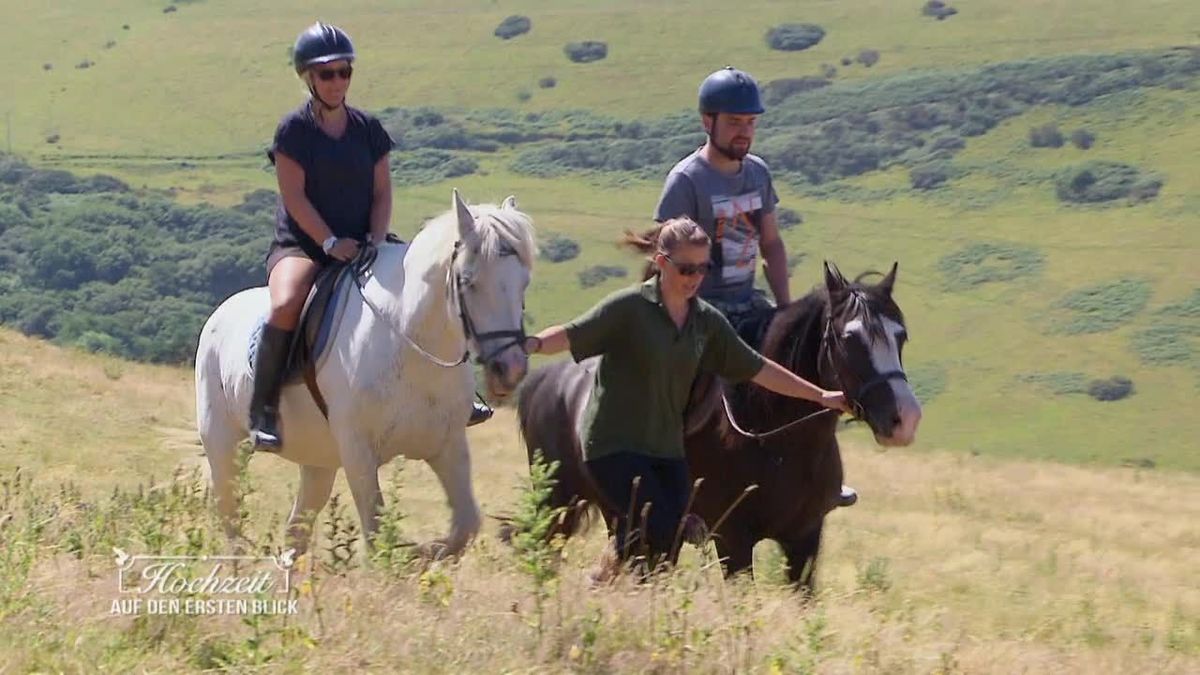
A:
{"points": [[801, 554], [453, 469], [220, 447], [316, 483], [736, 555], [362, 475]]}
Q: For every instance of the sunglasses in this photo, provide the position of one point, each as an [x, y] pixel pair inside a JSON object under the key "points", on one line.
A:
{"points": [[691, 269], [328, 74]]}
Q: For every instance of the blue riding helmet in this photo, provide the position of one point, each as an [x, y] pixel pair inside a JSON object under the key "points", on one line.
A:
{"points": [[321, 43], [730, 91]]}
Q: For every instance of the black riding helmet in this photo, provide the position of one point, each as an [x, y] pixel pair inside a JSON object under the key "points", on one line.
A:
{"points": [[321, 43], [730, 91]]}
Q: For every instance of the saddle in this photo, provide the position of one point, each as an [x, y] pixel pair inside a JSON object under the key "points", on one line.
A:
{"points": [[705, 398], [322, 314]]}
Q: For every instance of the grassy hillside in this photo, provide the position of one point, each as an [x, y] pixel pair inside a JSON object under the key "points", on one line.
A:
{"points": [[187, 99], [949, 563]]}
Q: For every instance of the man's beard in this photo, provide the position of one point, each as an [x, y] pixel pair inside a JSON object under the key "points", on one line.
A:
{"points": [[737, 154]]}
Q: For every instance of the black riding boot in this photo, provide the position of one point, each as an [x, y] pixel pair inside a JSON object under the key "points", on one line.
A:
{"points": [[480, 413], [269, 364]]}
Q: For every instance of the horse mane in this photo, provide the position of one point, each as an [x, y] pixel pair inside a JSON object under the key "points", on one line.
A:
{"points": [[500, 230]]}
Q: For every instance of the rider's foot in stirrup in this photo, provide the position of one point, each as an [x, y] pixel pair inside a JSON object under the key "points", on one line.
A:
{"points": [[480, 413], [847, 497], [265, 434]]}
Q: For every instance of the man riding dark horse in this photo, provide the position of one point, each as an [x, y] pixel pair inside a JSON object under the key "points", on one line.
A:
{"points": [[728, 191]]}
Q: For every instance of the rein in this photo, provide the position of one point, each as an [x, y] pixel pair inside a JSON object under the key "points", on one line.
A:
{"points": [[828, 338], [363, 262]]}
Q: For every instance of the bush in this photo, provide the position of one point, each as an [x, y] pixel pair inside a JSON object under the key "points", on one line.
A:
{"points": [[85, 64], [787, 218], [1106, 181], [929, 176], [1058, 382], [524, 95], [1113, 389], [828, 71], [846, 60], [47, 66], [1083, 139], [1046, 136], [513, 26], [548, 83], [598, 274], [170, 9], [938, 9], [559, 248], [794, 37], [1165, 343], [868, 57], [982, 263], [586, 51], [1103, 307], [776, 91], [430, 166]]}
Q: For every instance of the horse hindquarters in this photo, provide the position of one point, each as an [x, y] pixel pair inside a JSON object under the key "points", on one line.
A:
{"points": [[547, 425]]}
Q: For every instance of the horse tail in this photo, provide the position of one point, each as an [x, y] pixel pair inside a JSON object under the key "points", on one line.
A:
{"points": [[645, 243]]}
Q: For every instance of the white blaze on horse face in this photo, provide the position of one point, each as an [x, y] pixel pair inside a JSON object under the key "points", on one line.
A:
{"points": [[885, 357], [496, 304]]}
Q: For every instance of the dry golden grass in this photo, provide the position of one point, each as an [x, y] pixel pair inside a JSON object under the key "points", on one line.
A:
{"points": [[950, 563]]}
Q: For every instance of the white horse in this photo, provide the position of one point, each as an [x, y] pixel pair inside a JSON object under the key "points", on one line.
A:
{"points": [[393, 379]]}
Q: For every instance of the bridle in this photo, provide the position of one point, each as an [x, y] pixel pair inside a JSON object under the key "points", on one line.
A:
{"points": [[454, 292], [854, 397], [829, 342]]}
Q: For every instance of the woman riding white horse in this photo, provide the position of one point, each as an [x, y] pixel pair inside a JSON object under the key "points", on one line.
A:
{"points": [[395, 379]]}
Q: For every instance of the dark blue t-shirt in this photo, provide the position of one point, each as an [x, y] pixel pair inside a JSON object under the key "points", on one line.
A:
{"points": [[339, 174]]}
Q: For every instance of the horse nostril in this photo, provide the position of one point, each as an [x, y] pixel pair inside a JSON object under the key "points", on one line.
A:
{"points": [[896, 420]]}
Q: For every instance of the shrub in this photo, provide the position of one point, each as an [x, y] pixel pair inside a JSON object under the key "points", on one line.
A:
{"points": [[983, 262], [794, 37], [846, 61], [559, 248], [1112, 389], [787, 218], [868, 57], [1083, 139], [1103, 307], [258, 202], [598, 274], [110, 44], [548, 83], [1106, 181], [1046, 136], [513, 26], [938, 9], [776, 91], [1058, 382], [85, 64], [52, 139], [524, 95], [169, 9], [828, 71], [1164, 343], [430, 166], [929, 176], [586, 51], [47, 66]]}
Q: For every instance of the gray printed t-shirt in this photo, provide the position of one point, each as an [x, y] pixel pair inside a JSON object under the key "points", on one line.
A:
{"points": [[730, 208]]}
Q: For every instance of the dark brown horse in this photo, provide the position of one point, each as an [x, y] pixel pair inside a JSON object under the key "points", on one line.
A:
{"points": [[844, 335]]}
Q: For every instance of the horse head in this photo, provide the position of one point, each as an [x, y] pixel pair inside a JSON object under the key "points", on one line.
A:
{"points": [[862, 350], [491, 268]]}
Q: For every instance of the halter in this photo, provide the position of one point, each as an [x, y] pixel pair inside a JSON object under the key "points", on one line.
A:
{"points": [[454, 289], [829, 341]]}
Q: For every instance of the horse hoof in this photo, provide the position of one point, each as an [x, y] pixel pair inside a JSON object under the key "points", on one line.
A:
{"points": [[434, 550]]}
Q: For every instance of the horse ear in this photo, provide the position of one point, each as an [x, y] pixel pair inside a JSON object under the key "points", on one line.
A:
{"points": [[510, 202], [466, 221], [834, 281], [889, 282]]}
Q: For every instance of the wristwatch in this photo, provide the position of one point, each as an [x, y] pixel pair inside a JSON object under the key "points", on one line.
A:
{"points": [[328, 244]]}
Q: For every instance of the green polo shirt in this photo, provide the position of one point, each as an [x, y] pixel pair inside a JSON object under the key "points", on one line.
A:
{"points": [[647, 369]]}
